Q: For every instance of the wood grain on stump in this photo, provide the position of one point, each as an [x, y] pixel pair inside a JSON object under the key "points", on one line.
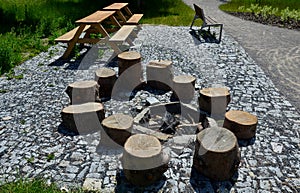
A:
{"points": [[241, 123], [214, 100], [83, 118], [118, 127], [106, 79], [83, 91], [184, 87], [217, 153], [159, 74], [143, 160]]}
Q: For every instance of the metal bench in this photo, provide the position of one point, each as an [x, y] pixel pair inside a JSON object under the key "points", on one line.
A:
{"points": [[207, 21]]}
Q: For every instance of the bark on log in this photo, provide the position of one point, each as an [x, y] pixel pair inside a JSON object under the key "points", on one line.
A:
{"points": [[160, 75], [130, 60], [214, 100], [184, 87], [83, 118], [118, 127], [130, 73], [83, 91], [143, 160], [106, 79], [241, 123], [216, 154]]}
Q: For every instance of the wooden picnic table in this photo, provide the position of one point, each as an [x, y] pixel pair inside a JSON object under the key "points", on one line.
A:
{"points": [[118, 7], [90, 24]]}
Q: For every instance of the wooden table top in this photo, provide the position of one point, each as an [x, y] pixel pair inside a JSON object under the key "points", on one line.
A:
{"points": [[96, 17], [116, 6]]}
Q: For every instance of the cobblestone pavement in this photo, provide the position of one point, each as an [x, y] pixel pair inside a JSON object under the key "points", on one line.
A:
{"points": [[33, 144], [276, 50]]}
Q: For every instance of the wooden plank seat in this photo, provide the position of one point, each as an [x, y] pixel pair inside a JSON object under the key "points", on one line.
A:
{"points": [[207, 21], [134, 19], [124, 34], [67, 37]]}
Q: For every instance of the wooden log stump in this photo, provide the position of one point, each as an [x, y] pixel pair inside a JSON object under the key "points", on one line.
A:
{"points": [[216, 154], [130, 73], [241, 123], [143, 160], [83, 91], [83, 118], [130, 60], [159, 74], [184, 87], [214, 100], [118, 127], [106, 79]]}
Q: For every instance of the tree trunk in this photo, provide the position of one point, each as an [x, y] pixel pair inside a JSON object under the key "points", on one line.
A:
{"points": [[83, 118], [214, 100], [106, 79], [143, 160], [184, 87], [216, 154], [159, 74], [118, 127], [83, 91], [242, 124]]}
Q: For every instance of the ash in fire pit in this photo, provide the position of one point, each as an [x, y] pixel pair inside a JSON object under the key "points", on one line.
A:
{"points": [[170, 122]]}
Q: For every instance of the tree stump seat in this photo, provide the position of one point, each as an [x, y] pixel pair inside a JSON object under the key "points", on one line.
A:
{"points": [[159, 74], [216, 154], [184, 87], [106, 79], [214, 100], [130, 60], [241, 123], [118, 127], [143, 160], [83, 91], [129, 73], [83, 118]]}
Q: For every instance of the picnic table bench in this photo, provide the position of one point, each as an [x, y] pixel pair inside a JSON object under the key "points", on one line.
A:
{"points": [[207, 21]]}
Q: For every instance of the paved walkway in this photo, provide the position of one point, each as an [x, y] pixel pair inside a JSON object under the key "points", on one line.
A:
{"points": [[275, 49]]}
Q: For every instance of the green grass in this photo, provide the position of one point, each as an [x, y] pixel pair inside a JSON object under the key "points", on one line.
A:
{"points": [[29, 186], [37, 186], [233, 5]]}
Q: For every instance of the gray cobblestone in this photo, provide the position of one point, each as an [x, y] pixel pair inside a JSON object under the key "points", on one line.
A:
{"points": [[264, 166]]}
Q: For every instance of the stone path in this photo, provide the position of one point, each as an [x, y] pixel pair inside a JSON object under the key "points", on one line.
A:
{"points": [[276, 50], [33, 143]]}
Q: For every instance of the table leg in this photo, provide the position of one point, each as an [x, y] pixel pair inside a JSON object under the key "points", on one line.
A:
{"points": [[115, 21], [120, 14], [128, 11], [101, 29], [73, 42]]}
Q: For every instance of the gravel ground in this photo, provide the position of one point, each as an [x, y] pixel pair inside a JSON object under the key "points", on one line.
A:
{"points": [[32, 143]]}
